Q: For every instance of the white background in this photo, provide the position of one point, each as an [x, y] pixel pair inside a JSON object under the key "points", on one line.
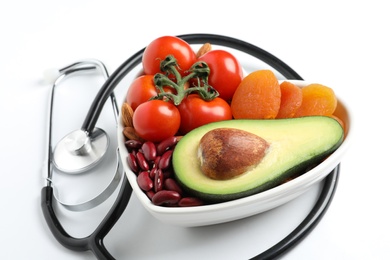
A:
{"points": [[344, 44]]}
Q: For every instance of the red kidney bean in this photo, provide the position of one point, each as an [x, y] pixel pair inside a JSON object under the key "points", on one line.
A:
{"points": [[158, 180], [190, 202], [152, 173], [165, 160], [142, 163], [168, 173], [150, 193], [156, 161], [132, 162], [133, 144], [167, 197], [171, 184], [166, 144], [144, 181], [149, 150]]}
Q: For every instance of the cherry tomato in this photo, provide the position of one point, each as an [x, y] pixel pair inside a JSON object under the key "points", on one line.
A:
{"points": [[156, 120], [140, 91], [163, 46], [143, 88], [225, 72], [195, 112]]}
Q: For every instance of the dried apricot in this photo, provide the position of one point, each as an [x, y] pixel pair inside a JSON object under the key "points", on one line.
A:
{"points": [[290, 101], [317, 99], [257, 96]]}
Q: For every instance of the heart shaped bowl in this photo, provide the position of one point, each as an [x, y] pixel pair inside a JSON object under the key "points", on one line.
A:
{"points": [[247, 206], [251, 58]]}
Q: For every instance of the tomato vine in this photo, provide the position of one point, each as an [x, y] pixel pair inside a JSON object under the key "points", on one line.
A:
{"points": [[199, 71]]}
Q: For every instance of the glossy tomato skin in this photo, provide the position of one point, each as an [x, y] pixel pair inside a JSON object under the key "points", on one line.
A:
{"points": [[225, 72], [156, 120], [140, 90], [159, 48], [195, 112], [143, 89]]}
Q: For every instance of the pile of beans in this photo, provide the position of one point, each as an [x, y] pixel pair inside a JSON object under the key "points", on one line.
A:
{"points": [[152, 163]]}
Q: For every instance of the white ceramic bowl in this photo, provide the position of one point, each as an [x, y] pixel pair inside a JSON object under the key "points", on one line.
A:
{"points": [[248, 206]]}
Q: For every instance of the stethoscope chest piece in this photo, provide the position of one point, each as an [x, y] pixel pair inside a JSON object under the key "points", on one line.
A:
{"points": [[79, 151]]}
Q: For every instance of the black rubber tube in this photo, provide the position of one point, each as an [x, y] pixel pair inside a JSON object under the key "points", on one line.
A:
{"points": [[93, 242], [309, 223], [106, 90]]}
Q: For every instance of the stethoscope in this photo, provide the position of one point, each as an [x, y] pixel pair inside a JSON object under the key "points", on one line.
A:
{"points": [[83, 149]]}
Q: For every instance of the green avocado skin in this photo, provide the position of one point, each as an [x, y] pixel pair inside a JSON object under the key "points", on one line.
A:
{"points": [[297, 145], [291, 173]]}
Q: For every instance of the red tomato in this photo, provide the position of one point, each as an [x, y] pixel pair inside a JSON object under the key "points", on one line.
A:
{"points": [[140, 91], [161, 47], [195, 112], [156, 120], [225, 72]]}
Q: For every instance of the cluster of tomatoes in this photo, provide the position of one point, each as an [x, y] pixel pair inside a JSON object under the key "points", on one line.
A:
{"points": [[180, 90]]}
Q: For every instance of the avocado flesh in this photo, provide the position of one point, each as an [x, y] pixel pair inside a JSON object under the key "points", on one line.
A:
{"points": [[295, 145]]}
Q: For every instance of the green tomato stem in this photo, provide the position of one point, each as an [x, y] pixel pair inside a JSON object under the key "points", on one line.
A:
{"points": [[199, 70]]}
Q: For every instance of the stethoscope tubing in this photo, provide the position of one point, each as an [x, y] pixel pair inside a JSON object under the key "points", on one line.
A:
{"points": [[94, 242], [108, 88], [309, 223]]}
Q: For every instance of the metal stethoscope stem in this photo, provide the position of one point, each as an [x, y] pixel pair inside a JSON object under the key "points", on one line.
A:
{"points": [[80, 150], [93, 242], [66, 155]]}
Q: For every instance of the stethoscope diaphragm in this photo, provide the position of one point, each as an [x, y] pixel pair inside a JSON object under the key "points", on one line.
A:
{"points": [[78, 152]]}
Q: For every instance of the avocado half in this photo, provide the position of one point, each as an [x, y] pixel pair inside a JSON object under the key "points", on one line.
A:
{"points": [[295, 145]]}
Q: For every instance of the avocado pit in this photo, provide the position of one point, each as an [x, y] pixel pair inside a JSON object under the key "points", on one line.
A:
{"points": [[225, 153]]}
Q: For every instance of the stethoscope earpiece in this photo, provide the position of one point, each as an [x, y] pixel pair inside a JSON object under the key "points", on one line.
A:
{"points": [[51, 75]]}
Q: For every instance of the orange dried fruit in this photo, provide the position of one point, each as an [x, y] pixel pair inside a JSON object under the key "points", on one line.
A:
{"points": [[317, 99], [257, 96], [290, 101]]}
